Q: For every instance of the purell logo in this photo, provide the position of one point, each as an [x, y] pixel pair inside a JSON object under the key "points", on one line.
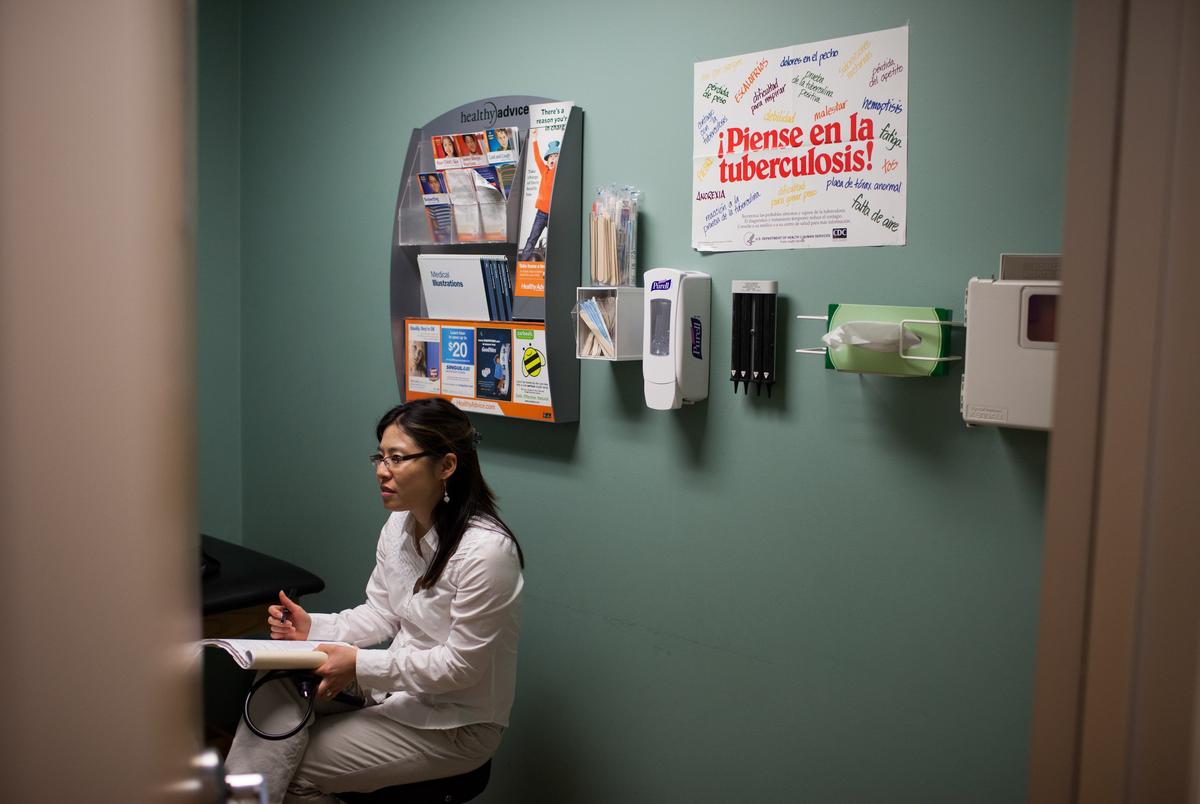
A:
{"points": [[662, 284], [489, 113], [696, 333]]}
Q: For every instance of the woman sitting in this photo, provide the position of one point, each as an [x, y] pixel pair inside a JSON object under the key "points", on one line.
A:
{"points": [[445, 593]]}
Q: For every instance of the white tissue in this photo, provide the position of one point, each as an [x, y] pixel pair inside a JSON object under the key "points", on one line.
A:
{"points": [[874, 336]]}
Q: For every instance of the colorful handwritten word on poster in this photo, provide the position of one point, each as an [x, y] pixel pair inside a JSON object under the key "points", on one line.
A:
{"points": [[803, 146]]}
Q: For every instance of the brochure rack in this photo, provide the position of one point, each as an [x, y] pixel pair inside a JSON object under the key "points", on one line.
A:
{"points": [[540, 362]]}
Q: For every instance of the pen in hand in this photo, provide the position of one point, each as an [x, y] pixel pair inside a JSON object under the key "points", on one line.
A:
{"points": [[288, 619]]}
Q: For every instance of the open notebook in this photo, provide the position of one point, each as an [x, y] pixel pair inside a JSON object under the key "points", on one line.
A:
{"points": [[272, 654]]}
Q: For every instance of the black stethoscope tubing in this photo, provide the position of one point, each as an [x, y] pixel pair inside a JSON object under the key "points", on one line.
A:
{"points": [[306, 684]]}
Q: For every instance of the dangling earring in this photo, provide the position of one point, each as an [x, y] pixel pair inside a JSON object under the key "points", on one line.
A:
{"points": [[445, 492]]}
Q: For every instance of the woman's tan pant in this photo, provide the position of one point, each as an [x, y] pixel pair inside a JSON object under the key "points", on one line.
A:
{"points": [[347, 749]]}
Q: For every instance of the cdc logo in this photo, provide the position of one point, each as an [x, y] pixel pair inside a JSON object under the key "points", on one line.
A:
{"points": [[839, 234]]}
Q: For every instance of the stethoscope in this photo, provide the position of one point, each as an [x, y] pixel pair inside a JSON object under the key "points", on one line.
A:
{"points": [[306, 684]]}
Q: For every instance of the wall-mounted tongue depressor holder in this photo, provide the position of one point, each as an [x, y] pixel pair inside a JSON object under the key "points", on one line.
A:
{"points": [[1012, 344], [752, 352], [675, 337], [888, 340]]}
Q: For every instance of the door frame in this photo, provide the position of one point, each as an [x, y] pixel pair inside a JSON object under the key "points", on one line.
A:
{"points": [[1115, 682]]}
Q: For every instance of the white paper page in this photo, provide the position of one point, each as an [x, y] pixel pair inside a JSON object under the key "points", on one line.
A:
{"points": [[262, 653]]}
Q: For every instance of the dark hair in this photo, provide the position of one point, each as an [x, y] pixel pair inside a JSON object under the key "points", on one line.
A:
{"points": [[439, 427]]}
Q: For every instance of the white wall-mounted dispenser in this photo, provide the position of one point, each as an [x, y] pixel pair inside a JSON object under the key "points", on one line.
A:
{"points": [[675, 337], [1012, 344]]}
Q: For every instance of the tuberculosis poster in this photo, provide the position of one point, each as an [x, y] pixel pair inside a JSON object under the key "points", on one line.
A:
{"points": [[802, 146]]}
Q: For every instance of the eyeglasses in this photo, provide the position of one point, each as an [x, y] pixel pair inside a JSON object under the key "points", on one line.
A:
{"points": [[394, 460]]}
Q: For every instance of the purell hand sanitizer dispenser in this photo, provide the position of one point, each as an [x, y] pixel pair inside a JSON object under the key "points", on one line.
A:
{"points": [[675, 337]]}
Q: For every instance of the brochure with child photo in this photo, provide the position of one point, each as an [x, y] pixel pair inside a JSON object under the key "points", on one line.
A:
{"points": [[548, 124], [472, 149], [436, 198], [445, 152], [502, 145]]}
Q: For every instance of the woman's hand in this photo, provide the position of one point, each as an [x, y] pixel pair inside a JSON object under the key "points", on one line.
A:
{"points": [[288, 620], [338, 672]]}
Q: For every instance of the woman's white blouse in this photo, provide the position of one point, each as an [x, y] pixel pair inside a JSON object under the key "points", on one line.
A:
{"points": [[453, 654]]}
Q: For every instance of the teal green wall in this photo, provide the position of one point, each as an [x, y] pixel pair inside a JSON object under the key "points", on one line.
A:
{"points": [[218, 268], [826, 597]]}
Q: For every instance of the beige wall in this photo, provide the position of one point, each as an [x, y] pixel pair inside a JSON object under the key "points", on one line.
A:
{"points": [[97, 571], [1114, 712]]}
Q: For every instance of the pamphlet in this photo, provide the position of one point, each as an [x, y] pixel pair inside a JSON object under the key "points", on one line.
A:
{"points": [[458, 363], [493, 211], [503, 152], [445, 152], [424, 358], [493, 373], [507, 172], [487, 185], [452, 285], [531, 376], [437, 205], [502, 145], [499, 291], [472, 149], [496, 368], [548, 125]]}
